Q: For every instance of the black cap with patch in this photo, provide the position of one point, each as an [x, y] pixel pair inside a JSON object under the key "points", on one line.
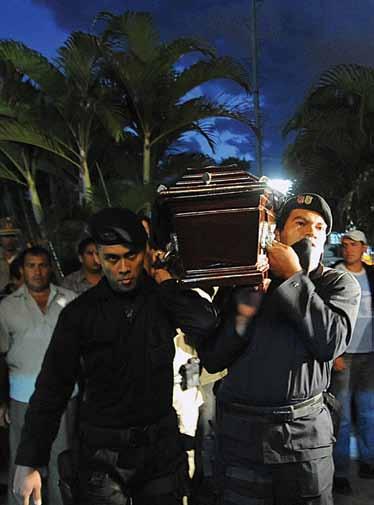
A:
{"points": [[116, 225], [308, 201]]}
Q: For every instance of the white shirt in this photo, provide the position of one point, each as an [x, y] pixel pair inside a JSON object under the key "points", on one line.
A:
{"points": [[25, 333]]}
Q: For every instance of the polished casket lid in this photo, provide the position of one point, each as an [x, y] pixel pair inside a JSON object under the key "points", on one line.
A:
{"points": [[217, 220]]}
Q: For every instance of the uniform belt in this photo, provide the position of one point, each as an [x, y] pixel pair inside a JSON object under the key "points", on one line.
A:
{"points": [[278, 413], [134, 436]]}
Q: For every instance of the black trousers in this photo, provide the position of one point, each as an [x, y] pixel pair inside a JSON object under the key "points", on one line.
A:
{"points": [[154, 472], [244, 479], [301, 483]]}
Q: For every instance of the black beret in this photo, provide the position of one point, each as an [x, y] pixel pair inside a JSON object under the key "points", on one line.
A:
{"points": [[116, 225], [308, 201]]}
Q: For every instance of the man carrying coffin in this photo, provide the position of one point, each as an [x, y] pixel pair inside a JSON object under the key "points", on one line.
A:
{"points": [[275, 434], [118, 338]]}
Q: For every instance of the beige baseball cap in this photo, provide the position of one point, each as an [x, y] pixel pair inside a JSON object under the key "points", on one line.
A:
{"points": [[356, 235]]}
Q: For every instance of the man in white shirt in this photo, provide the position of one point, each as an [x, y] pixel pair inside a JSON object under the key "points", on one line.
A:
{"points": [[27, 320]]}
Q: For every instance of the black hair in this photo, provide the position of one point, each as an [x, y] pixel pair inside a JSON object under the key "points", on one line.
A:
{"points": [[35, 250], [83, 244]]}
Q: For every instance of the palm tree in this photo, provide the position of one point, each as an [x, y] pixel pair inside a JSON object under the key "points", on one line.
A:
{"points": [[333, 145], [155, 94], [74, 105], [18, 162]]}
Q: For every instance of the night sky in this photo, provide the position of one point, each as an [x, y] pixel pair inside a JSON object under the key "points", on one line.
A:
{"points": [[298, 40]]}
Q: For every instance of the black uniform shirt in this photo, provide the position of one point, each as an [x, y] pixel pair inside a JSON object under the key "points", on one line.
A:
{"points": [[122, 347], [285, 357], [286, 354]]}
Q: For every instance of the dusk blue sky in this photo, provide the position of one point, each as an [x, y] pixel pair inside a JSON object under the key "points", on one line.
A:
{"points": [[298, 40]]}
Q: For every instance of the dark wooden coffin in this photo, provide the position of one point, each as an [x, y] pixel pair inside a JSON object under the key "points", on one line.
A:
{"points": [[217, 221]]}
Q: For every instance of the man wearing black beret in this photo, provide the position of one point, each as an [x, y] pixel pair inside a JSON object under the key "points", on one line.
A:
{"points": [[275, 433], [118, 339]]}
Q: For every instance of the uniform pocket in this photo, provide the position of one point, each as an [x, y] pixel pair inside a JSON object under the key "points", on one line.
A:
{"points": [[314, 478], [311, 432], [303, 482]]}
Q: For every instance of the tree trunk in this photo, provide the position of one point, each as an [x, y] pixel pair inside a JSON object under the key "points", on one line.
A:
{"points": [[35, 201], [39, 218], [31, 234], [86, 180], [147, 159]]}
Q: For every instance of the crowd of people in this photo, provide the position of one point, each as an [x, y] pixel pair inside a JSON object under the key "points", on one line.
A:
{"points": [[121, 386]]}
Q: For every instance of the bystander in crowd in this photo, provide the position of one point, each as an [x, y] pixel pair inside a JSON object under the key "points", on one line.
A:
{"points": [[352, 380], [90, 272], [28, 317]]}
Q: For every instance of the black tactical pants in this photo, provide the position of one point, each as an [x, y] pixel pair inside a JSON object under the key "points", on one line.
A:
{"points": [[302, 483], [149, 468], [244, 443]]}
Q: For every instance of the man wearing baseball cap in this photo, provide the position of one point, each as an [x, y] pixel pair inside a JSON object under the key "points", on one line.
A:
{"points": [[275, 434], [353, 375], [118, 338]]}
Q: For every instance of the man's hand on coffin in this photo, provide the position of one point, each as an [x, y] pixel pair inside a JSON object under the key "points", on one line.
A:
{"points": [[157, 268], [283, 260]]}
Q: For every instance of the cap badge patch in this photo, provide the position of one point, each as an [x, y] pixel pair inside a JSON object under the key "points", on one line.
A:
{"points": [[304, 199], [300, 199]]}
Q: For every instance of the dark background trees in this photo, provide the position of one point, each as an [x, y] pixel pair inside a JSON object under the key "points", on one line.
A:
{"points": [[333, 144], [104, 122]]}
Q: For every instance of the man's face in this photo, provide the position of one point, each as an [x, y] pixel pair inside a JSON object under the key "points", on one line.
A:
{"points": [[121, 266], [9, 243], [302, 223], [89, 259], [36, 272], [352, 251]]}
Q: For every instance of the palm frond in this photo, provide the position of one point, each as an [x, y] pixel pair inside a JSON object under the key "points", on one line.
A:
{"points": [[172, 52], [204, 71], [15, 155], [11, 131], [133, 32], [79, 60], [205, 128], [113, 119], [195, 110], [34, 65], [10, 175], [355, 79]]}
